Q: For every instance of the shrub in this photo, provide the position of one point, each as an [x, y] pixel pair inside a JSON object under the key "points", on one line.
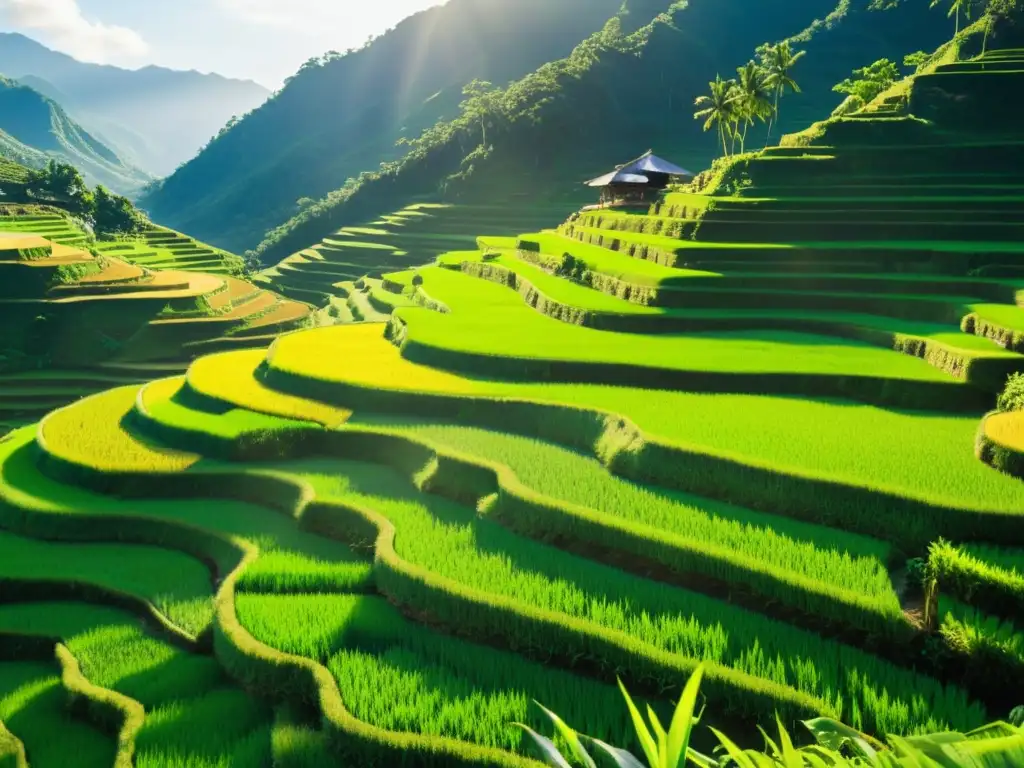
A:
{"points": [[1012, 398]]}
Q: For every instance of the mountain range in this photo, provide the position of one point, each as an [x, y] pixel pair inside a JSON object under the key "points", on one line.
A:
{"points": [[340, 118], [153, 118], [35, 129]]}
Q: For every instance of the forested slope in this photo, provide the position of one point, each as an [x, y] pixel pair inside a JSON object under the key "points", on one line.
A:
{"points": [[34, 129], [620, 93], [341, 116]]}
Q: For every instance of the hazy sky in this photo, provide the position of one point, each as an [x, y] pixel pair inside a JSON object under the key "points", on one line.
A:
{"points": [[263, 40]]}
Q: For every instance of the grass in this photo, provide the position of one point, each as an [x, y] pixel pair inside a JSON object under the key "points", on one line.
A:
{"points": [[33, 707], [580, 296], [195, 717], [455, 543], [164, 402], [842, 441], [232, 378], [403, 677], [1007, 429], [176, 583], [1007, 559], [492, 320], [823, 554], [92, 433], [289, 555]]}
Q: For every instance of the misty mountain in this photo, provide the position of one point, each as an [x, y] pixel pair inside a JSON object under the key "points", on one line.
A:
{"points": [[34, 129], [340, 116], [156, 118]]}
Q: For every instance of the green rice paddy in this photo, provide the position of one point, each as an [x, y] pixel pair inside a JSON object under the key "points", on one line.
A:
{"points": [[524, 463]]}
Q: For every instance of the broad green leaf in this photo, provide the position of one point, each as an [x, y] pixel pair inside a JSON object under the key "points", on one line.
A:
{"points": [[620, 757], [771, 744], [660, 735], [571, 737], [790, 757], [551, 754], [834, 735], [738, 755], [704, 761], [644, 735], [682, 724]]}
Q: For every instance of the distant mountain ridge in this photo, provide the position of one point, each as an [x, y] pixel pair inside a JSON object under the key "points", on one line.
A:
{"points": [[35, 129], [337, 119], [156, 118], [616, 96]]}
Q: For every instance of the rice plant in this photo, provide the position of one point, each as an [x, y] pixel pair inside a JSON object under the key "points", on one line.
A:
{"points": [[33, 707], [179, 585], [91, 433], [492, 320], [453, 542], [837, 745], [231, 377], [403, 677], [164, 404], [844, 442], [825, 554], [223, 727]]}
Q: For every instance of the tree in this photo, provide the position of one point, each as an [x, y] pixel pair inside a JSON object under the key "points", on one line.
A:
{"points": [[62, 183], [868, 82], [114, 214], [914, 61], [778, 61], [718, 109], [753, 98], [955, 9], [482, 105]]}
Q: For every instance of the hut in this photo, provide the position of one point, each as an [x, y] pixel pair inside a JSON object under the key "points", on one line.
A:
{"points": [[638, 181]]}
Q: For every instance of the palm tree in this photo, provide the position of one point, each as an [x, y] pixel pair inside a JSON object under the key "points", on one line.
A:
{"points": [[955, 9], [753, 94], [778, 61], [717, 109]]}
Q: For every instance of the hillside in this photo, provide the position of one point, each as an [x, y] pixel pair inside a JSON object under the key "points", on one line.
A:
{"points": [[578, 118], [747, 428], [156, 118], [80, 316], [35, 129], [342, 117]]}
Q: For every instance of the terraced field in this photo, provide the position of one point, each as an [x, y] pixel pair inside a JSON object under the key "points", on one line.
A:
{"points": [[732, 429], [407, 238], [76, 323], [159, 248]]}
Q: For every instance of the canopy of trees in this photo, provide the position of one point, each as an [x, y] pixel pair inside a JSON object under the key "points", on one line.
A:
{"points": [[62, 184]]}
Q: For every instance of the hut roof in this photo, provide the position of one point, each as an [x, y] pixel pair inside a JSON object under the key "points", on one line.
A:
{"points": [[618, 177], [651, 163]]}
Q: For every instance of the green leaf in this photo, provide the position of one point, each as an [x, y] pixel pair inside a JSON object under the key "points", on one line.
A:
{"points": [[834, 735], [642, 734], [738, 755], [681, 728], [551, 754], [620, 757], [571, 737], [790, 757]]}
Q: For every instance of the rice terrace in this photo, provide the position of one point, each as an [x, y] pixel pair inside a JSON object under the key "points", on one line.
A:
{"points": [[464, 460]]}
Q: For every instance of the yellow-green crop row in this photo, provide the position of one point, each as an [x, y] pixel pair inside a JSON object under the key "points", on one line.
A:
{"points": [[92, 433], [231, 377]]}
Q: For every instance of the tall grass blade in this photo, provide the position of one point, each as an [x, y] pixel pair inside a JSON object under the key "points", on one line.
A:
{"points": [[683, 721], [551, 754], [642, 733]]}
